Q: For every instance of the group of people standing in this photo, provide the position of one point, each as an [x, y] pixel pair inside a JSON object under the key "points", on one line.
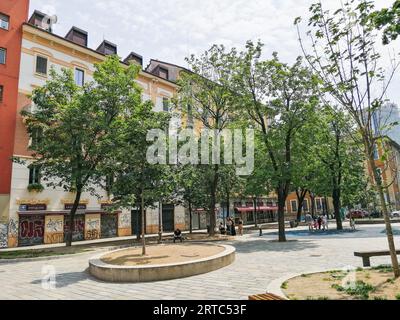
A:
{"points": [[231, 227], [318, 223]]}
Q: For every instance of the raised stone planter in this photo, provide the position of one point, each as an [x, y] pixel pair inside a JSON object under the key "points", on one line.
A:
{"points": [[159, 272]]}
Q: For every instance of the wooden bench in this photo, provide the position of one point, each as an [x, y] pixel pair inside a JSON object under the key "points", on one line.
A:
{"points": [[366, 255], [265, 296]]}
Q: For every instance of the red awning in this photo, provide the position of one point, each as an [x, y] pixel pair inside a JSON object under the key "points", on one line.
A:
{"points": [[259, 209]]}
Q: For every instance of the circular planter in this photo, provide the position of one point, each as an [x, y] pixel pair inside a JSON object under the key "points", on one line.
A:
{"points": [[159, 272]]}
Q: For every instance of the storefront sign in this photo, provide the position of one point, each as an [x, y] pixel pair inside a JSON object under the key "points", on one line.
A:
{"points": [[33, 207], [69, 206]]}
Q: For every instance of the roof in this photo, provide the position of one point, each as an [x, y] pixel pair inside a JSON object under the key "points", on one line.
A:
{"points": [[167, 63], [101, 55]]}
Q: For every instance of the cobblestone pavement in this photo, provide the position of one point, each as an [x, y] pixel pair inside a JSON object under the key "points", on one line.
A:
{"points": [[259, 261]]}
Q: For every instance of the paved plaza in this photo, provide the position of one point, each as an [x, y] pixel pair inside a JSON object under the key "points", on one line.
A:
{"points": [[259, 262]]}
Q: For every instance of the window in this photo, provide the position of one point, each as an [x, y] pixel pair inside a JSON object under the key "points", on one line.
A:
{"points": [[1, 93], [41, 65], [305, 205], [165, 105], [4, 21], [36, 136], [376, 153], [34, 175], [190, 116], [163, 73], [79, 77], [293, 204], [3, 53], [379, 175], [319, 204]]}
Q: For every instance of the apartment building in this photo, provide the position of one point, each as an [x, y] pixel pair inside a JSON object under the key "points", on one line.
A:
{"points": [[28, 50]]}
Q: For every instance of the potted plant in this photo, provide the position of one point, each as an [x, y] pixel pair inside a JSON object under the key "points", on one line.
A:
{"points": [[35, 187]]}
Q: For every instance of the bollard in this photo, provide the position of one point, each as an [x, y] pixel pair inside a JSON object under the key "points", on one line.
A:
{"points": [[261, 233]]}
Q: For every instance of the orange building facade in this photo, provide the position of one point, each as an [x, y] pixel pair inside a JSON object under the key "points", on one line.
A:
{"points": [[12, 15]]}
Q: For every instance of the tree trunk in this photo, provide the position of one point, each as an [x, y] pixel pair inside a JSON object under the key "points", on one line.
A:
{"points": [[228, 200], [213, 201], [143, 227], [312, 198], [211, 213], [281, 214], [160, 222], [300, 198], [190, 217], [336, 206], [389, 230], [138, 227], [255, 211], [72, 217]]}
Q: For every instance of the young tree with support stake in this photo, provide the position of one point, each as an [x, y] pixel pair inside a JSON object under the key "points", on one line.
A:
{"points": [[80, 126], [344, 56]]}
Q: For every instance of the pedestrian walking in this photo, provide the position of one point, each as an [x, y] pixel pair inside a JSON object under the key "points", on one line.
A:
{"points": [[319, 221], [325, 222], [310, 221], [240, 224]]}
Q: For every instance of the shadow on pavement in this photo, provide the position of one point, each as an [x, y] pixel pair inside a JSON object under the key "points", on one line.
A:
{"points": [[66, 279], [273, 246]]}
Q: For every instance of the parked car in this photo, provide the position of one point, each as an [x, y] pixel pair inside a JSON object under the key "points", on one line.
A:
{"points": [[376, 214], [358, 214], [395, 214]]}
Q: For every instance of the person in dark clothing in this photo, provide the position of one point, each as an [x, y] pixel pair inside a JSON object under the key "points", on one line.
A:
{"points": [[178, 235], [233, 228], [319, 222], [222, 228], [228, 226]]}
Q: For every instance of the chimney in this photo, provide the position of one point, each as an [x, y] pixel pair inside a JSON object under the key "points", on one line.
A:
{"points": [[134, 58], [78, 36], [107, 48], [42, 20]]}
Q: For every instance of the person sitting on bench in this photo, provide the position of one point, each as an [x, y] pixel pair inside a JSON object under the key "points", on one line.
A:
{"points": [[178, 235], [222, 228]]}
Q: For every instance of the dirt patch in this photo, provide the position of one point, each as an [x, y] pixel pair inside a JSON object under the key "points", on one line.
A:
{"points": [[162, 254], [368, 284]]}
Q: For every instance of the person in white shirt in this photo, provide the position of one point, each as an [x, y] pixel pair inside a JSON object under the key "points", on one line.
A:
{"points": [[325, 221]]}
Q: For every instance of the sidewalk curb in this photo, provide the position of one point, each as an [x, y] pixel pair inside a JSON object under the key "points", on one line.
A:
{"points": [[57, 257], [275, 286]]}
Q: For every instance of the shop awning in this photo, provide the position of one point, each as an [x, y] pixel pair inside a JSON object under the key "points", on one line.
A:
{"points": [[259, 209]]}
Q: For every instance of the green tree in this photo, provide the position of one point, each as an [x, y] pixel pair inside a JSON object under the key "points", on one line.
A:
{"points": [[206, 92], [140, 182], [191, 189], [80, 125], [388, 19], [278, 99], [345, 57]]}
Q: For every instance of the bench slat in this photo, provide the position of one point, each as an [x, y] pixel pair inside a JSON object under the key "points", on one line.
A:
{"points": [[374, 253], [265, 296]]}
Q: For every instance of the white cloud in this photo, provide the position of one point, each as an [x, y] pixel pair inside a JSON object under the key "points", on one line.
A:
{"points": [[170, 30]]}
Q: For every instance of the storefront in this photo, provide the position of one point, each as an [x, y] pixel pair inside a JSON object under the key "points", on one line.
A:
{"points": [[264, 214]]}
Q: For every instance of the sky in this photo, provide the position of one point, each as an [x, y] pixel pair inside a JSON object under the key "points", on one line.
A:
{"points": [[170, 30]]}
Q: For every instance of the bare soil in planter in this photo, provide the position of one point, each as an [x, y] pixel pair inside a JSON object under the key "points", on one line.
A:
{"points": [[368, 284], [162, 254]]}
